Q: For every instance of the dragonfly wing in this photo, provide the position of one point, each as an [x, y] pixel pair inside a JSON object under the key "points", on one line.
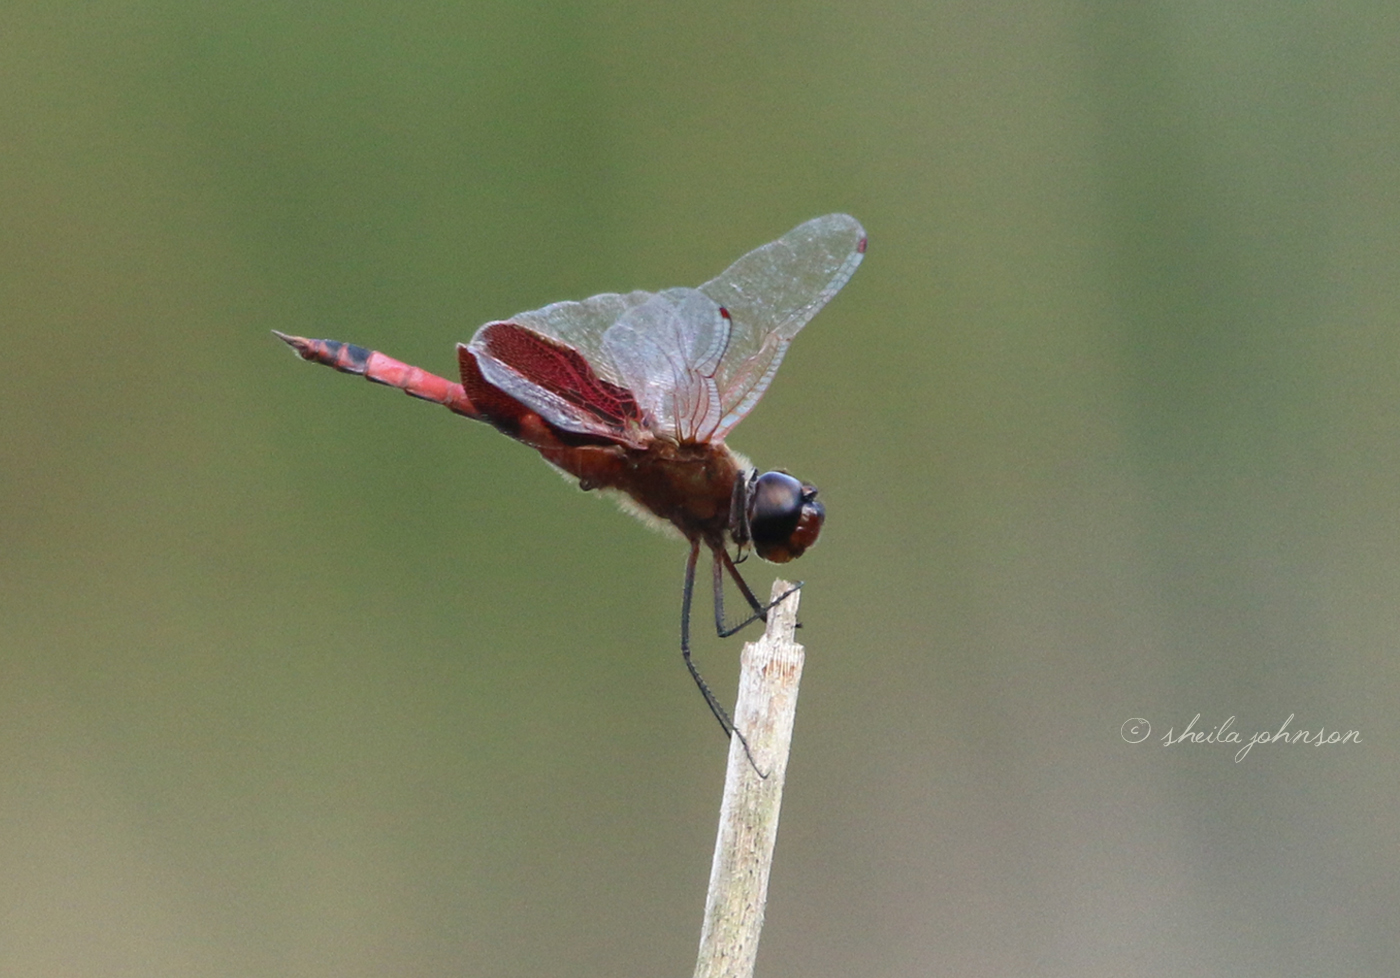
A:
{"points": [[554, 362], [770, 294], [667, 350], [684, 364], [662, 349]]}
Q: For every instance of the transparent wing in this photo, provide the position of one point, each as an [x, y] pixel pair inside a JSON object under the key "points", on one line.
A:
{"points": [[664, 348], [563, 396], [667, 351], [583, 325], [696, 361], [770, 294]]}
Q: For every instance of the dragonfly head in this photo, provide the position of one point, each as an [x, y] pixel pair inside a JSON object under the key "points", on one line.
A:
{"points": [[782, 515]]}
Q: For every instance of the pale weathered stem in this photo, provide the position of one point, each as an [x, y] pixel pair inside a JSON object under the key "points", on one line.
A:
{"points": [[770, 670]]}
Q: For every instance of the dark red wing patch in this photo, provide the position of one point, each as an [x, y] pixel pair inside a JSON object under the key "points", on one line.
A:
{"points": [[560, 370], [499, 408]]}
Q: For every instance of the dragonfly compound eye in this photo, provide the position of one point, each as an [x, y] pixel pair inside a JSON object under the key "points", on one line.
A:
{"points": [[784, 517]]}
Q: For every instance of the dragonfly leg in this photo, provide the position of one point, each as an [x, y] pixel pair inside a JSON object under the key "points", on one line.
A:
{"points": [[760, 610], [720, 713]]}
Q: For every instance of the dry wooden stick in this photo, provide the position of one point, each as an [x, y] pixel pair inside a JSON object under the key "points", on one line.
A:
{"points": [[770, 670]]}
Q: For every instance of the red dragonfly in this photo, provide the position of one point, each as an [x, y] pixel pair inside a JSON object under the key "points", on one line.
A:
{"points": [[635, 393]]}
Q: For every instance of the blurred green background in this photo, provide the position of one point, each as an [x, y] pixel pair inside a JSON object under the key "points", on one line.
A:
{"points": [[299, 677]]}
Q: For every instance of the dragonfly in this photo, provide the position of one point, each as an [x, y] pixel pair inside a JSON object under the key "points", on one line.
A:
{"points": [[634, 394]]}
